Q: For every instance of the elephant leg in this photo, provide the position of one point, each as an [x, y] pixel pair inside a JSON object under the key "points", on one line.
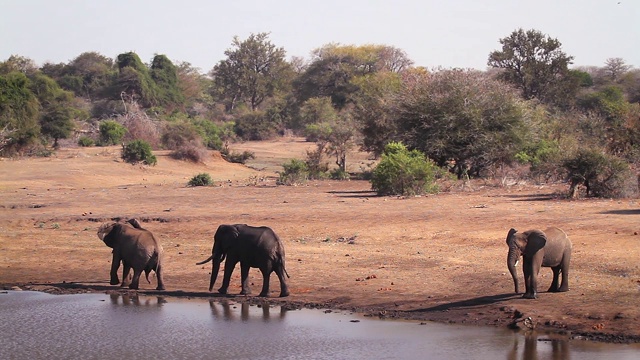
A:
{"points": [[135, 282], [125, 274], [564, 269], [115, 264], [266, 274], [284, 289], [229, 265], [556, 276], [159, 277], [244, 278], [530, 278]]}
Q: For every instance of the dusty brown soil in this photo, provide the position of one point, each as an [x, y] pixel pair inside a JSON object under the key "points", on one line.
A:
{"points": [[439, 257]]}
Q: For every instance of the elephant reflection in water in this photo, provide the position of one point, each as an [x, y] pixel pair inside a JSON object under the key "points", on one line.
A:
{"points": [[134, 299], [559, 348], [228, 311]]}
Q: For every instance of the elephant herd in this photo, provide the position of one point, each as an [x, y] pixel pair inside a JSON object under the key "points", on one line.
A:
{"points": [[259, 247]]}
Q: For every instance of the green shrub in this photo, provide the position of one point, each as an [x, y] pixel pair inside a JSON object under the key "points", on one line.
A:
{"points": [[85, 141], [601, 174], [238, 158], [339, 174], [111, 133], [295, 172], [202, 179], [404, 172], [138, 151]]}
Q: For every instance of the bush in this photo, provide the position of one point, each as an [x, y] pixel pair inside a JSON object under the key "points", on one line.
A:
{"points": [[602, 175], [339, 174], [138, 151], [202, 179], [86, 141], [111, 133], [295, 172], [238, 158], [191, 152], [404, 172]]}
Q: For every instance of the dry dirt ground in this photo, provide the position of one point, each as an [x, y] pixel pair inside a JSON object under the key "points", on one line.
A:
{"points": [[440, 257]]}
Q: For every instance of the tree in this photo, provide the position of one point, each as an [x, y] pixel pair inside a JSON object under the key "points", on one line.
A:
{"points": [[254, 70], [19, 113], [461, 118], [334, 67], [134, 81], [165, 77], [615, 68], [533, 62], [56, 108], [88, 75]]}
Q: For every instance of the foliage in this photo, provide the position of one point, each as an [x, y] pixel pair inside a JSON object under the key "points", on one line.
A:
{"points": [[334, 67], [404, 172], [192, 151], [179, 134], [138, 151], [19, 112], [461, 118], [316, 111], [372, 111], [339, 174], [254, 70], [134, 81], [533, 62], [86, 141], [111, 133], [202, 179], [256, 125], [295, 172], [57, 110], [165, 77], [238, 158], [602, 175], [209, 132]]}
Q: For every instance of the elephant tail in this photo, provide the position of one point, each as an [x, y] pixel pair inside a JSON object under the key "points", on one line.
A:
{"points": [[205, 261]]}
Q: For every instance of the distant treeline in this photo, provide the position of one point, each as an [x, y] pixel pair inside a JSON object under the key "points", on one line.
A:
{"points": [[530, 110]]}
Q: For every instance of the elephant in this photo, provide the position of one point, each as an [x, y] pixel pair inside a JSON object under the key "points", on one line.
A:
{"points": [[253, 247], [548, 248], [136, 247]]}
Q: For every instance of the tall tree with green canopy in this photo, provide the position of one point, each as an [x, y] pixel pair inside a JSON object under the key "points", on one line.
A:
{"points": [[87, 75], [19, 112], [165, 75], [254, 70], [533, 62], [56, 108], [462, 118], [134, 81], [334, 66]]}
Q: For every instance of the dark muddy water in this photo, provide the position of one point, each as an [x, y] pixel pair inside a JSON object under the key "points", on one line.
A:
{"points": [[36, 325]]}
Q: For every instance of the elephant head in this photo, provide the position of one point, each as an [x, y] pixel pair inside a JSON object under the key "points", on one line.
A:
{"points": [[523, 244], [223, 240]]}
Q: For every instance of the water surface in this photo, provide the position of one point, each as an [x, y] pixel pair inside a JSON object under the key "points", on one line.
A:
{"points": [[36, 325]]}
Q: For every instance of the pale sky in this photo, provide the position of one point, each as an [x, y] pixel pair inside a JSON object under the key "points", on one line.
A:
{"points": [[446, 33]]}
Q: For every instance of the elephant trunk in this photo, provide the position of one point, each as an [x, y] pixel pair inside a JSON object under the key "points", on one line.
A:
{"points": [[512, 259], [214, 272]]}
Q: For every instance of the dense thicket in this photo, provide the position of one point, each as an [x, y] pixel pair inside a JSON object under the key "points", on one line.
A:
{"points": [[530, 110]]}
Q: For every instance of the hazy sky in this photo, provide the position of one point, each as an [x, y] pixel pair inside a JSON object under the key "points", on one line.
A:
{"points": [[453, 33]]}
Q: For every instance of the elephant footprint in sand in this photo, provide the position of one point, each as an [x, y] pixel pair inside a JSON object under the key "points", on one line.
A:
{"points": [[253, 247], [136, 247], [548, 248]]}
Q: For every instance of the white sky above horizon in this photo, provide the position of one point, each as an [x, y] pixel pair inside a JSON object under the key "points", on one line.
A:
{"points": [[455, 33]]}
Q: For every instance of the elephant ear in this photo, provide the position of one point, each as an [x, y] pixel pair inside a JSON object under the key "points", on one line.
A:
{"points": [[536, 240], [104, 230], [511, 233]]}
